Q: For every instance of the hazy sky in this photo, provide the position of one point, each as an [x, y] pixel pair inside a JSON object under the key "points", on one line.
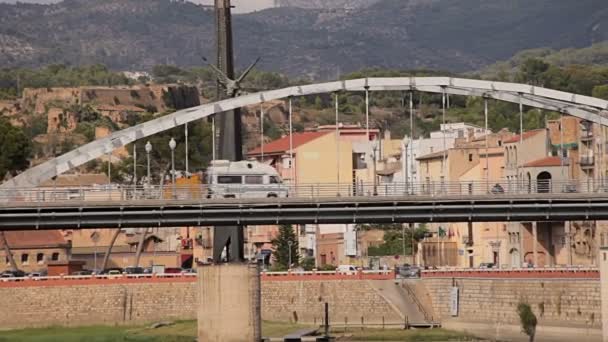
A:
{"points": [[241, 5]]}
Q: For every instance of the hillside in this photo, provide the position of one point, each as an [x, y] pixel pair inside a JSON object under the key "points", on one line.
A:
{"points": [[595, 55], [455, 35]]}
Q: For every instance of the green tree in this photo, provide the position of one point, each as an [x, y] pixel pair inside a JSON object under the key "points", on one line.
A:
{"points": [[532, 71], [393, 239], [281, 246], [527, 319], [15, 147], [308, 263], [600, 91]]}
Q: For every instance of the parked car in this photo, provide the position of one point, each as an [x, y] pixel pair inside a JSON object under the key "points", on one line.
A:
{"points": [[188, 270], [82, 273], [134, 270], [112, 271], [497, 189], [346, 269], [37, 274], [487, 265], [12, 274], [173, 270], [407, 271]]}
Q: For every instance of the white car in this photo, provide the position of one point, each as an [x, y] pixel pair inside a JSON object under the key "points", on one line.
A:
{"points": [[346, 269]]}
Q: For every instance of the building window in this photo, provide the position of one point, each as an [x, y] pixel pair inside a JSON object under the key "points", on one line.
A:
{"points": [[40, 258], [55, 256], [24, 258], [470, 157]]}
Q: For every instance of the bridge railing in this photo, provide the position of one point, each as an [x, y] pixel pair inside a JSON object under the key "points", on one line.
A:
{"points": [[202, 192]]}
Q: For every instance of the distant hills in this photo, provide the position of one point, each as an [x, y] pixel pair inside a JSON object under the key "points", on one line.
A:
{"points": [[454, 35]]}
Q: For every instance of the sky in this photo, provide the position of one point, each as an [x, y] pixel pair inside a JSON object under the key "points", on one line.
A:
{"points": [[242, 6]]}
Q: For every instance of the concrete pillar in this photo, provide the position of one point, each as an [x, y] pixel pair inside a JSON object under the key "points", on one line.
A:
{"points": [[229, 303], [603, 262], [567, 226], [535, 243]]}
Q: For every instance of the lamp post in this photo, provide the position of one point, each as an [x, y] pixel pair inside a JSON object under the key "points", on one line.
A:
{"points": [[148, 148], [289, 243], [172, 145], [404, 160], [374, 148]]}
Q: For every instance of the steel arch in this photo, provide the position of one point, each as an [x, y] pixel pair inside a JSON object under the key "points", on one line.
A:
{"points": [[585, 107]]}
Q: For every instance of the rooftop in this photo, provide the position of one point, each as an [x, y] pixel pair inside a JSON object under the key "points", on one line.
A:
{"points": [[34, 239], [282, 145], [433, 155], [547, 162], [527, 135]]}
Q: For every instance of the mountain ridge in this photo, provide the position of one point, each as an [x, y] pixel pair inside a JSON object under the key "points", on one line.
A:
{"points": [[318, 43]]}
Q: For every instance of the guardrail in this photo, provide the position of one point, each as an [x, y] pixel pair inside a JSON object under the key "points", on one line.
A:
{"points": [[116, 192], [167, 277], [515, 273]]}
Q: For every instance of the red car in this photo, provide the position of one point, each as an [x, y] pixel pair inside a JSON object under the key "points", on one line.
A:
{"points": [[173, 270]]}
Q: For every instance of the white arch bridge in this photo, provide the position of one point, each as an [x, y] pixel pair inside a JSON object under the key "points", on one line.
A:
{"points": [[450, 205], [585, 107]]}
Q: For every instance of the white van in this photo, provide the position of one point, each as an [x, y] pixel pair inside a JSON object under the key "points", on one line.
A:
{"points": [[346, 269], [243, 179]]}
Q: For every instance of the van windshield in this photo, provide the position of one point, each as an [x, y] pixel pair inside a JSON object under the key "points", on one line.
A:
{"points": [[275, 180]]}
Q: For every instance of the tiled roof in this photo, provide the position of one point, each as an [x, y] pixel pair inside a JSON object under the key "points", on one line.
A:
{"points": [[34, 239], [433, 155], [527, 135], [282, 145], [546, 162]]}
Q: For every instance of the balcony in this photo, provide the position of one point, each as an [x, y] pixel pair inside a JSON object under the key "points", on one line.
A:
{"points": [[587, 161], [586, 136]]}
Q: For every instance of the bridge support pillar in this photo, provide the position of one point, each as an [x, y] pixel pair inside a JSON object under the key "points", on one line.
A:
{"points": [[603, 262], [229, 303]]}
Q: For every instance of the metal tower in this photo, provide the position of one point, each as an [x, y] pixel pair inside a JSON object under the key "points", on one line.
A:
{"points": [[230, 138]]}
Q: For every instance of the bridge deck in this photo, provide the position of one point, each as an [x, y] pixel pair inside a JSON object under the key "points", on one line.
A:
{"points": [[399, 209]]}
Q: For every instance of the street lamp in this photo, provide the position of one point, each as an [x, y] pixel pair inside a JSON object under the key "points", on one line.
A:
{"points": [[404, 157], [374, 148], [148, 148], [172, 146], [289, 243]]}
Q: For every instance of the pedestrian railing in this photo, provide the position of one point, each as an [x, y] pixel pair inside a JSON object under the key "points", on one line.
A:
{"points": [[202, 192]]}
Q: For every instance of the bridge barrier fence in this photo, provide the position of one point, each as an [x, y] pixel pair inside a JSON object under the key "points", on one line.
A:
{"points": [[202, 192], [569, 272], [291, 275]]}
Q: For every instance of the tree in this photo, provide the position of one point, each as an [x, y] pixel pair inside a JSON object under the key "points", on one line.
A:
{"points": [[532, 70], [281, 246], [15, 147], [140, 245], [8, 252], [528, 320], [393, 239], [106, 257]]}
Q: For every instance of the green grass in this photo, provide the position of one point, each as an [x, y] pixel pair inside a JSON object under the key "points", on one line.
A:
{"points": [[185, 331], [356, 334]]}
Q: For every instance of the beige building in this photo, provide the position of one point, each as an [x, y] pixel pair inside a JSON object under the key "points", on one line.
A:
{"points": [[33, 250]]}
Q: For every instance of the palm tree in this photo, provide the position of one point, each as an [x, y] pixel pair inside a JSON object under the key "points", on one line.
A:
{"points": [[106, 257], [140, 246], [7, 251]]}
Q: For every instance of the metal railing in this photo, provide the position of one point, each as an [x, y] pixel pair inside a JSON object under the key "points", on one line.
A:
{"points": [[115, 192], [363, 274]]}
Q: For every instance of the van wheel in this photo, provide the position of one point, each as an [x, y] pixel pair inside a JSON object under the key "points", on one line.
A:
{"points": [[229, 196], [272, 196]]}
